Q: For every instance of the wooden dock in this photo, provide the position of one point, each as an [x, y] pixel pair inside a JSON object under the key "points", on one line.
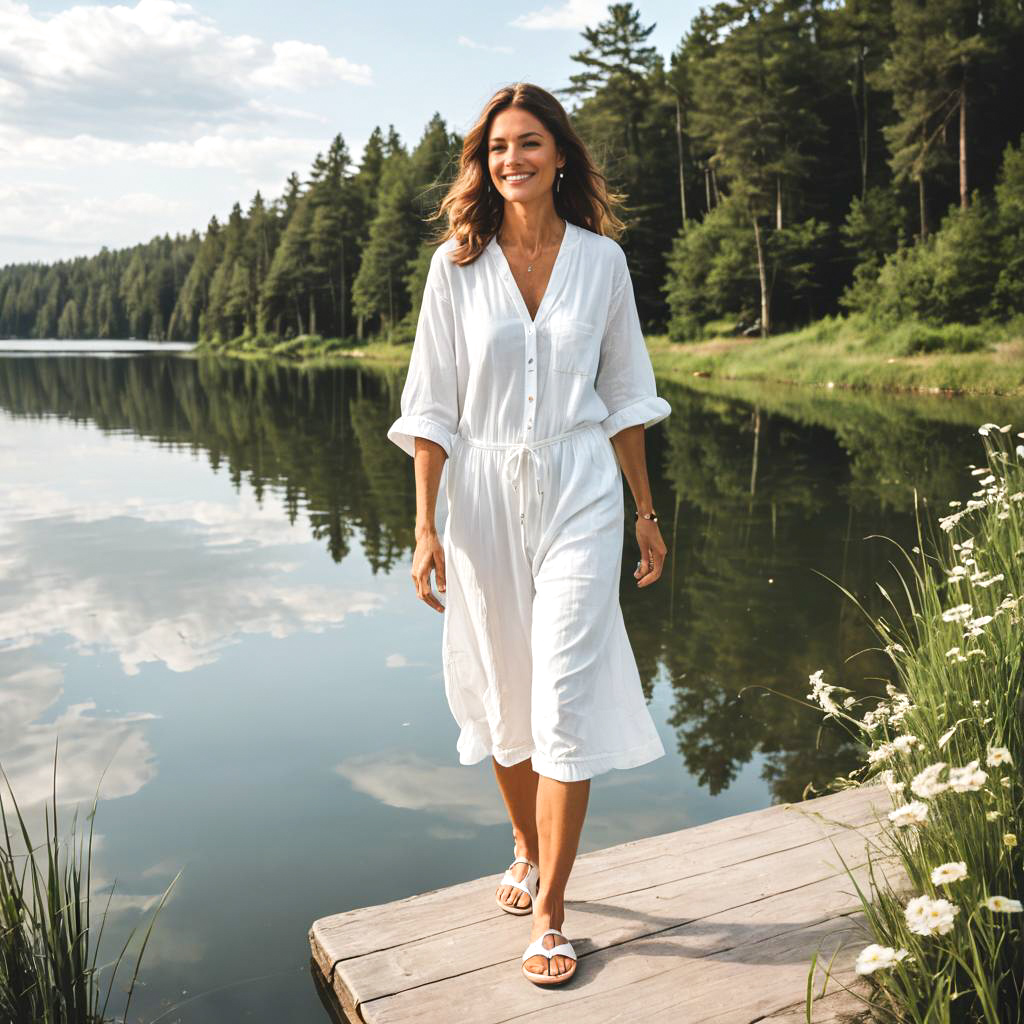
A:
{"points": [[713, 923]]}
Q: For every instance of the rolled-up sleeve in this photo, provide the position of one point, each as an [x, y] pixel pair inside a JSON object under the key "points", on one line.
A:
{"points": [[429, 402], [625, 378]]}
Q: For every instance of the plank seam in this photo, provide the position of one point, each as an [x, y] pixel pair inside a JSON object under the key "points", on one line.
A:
{"points": [[615, 895], [668, 970], [647, 935]]}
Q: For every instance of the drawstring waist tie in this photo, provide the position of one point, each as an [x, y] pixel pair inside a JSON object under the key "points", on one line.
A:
{"points": [[518, 453]]}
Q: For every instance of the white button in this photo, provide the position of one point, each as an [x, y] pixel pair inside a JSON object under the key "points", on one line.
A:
{"points": [[530, 360], [531, 330]]}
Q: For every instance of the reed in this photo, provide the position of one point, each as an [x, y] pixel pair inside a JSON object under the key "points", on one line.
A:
{"points": [[948, 741], [49, 942]]}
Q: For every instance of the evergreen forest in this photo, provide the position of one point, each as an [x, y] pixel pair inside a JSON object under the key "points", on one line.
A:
{"points": [[794, 159]]}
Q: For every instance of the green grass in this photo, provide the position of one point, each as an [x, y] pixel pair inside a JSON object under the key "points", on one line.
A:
{"points": [[953, 637], [850, 352], [310, 349], [838, 352], [49, 943]]}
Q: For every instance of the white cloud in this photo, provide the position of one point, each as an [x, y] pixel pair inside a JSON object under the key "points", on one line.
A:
{"points": [[473, 45], [50, 211], [143, 71], [573, 14], [300, 66], [222, 149]]}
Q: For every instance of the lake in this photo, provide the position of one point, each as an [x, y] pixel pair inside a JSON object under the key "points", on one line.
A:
{"points": [[205, 595]]}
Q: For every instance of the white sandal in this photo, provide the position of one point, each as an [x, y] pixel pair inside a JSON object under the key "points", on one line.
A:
{"points": [[530, 884], [536, 948]]}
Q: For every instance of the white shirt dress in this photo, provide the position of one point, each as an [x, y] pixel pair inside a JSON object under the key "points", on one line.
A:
{"points": [[537, 662]]}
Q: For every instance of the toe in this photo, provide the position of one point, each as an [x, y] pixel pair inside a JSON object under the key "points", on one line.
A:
{"points": [[537, 965]]}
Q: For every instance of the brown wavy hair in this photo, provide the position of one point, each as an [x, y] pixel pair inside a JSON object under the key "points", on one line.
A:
{"points": [[475, 212]]}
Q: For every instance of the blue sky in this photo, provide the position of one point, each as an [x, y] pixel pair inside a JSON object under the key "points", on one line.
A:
{"points": [[122, 121]]}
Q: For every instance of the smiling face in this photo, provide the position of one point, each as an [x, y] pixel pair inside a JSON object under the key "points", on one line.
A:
{"points": [[522, 156]]}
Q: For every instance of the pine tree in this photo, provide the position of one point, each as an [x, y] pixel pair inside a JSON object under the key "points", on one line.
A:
{"points": [[380, 287], [755, 114]]}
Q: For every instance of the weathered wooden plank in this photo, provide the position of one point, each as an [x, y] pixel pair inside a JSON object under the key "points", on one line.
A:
{"points": [[424, 956], [752, 959], [702, 848], [839, 1007], [605, 919]]}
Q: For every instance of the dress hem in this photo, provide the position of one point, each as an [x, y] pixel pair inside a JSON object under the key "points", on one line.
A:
{"points": [[567, 769]]}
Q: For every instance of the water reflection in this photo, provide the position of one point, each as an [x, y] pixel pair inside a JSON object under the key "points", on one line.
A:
{"points": [[759, 494], [203, 584], [90, 741]]}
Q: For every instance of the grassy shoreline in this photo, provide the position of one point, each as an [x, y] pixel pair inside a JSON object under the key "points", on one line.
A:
{"points": [[953, 933], [832, 353]]}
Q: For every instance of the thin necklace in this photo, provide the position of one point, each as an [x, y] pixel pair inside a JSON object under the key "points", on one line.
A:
{"points": [[529, 266]]}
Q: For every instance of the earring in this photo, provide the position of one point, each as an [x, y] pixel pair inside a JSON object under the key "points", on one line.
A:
{"points": [[558, 185]]}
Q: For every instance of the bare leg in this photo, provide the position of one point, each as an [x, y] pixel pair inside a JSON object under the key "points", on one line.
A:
{"points": [[561, 808], [518, 785]]}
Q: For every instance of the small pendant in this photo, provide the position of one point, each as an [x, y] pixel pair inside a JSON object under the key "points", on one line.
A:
{"points": [[529, 268]]}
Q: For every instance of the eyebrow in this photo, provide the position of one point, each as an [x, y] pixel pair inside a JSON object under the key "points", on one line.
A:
{"points": [[501, 138]]}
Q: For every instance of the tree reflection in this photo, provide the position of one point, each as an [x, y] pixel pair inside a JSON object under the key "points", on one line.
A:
{"points": [[761, 494]]}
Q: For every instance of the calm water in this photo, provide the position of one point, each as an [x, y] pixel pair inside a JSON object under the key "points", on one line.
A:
{"points": [[204, 591]]}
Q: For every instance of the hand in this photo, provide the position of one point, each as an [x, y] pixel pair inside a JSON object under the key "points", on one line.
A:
{"points": [[429, 554], [652, 552]]}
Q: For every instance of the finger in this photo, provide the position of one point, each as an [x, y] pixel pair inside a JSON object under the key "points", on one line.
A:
{"points": [[421, 580], [439, 571], [651, 570]]}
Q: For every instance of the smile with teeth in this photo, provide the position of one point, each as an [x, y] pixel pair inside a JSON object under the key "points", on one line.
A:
{"points": [[518, 177]]}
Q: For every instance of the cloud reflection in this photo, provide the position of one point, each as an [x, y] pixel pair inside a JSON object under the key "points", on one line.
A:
{"points": [[133, 578], [89, 743], [410, 781]]}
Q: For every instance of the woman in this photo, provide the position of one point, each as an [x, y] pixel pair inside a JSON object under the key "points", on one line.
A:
{"points": [[529, 381]]}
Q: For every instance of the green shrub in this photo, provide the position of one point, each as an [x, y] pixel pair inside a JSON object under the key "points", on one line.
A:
{"points": [[914, 338]]}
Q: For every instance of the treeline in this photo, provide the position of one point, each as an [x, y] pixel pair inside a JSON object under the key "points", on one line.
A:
{"points": [[791, 160], [743, 489]]}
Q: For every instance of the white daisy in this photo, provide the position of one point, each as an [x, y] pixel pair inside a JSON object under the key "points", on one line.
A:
{"points": [[1002, 905], [961, 613], [913, 813], [967, 778], [875, 957], [926, 782], [926, 916], [954, 871], [998, 756]]}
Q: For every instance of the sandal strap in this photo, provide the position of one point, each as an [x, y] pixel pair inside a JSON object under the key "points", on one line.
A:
{"points": [[537, 948], [529, 884]]}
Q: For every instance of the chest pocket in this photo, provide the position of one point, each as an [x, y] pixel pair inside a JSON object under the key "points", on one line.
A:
{"points": [[574, 346]]}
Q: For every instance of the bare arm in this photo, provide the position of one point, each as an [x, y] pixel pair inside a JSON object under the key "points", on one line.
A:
{"points": [[429, 554], [632, 455]]}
